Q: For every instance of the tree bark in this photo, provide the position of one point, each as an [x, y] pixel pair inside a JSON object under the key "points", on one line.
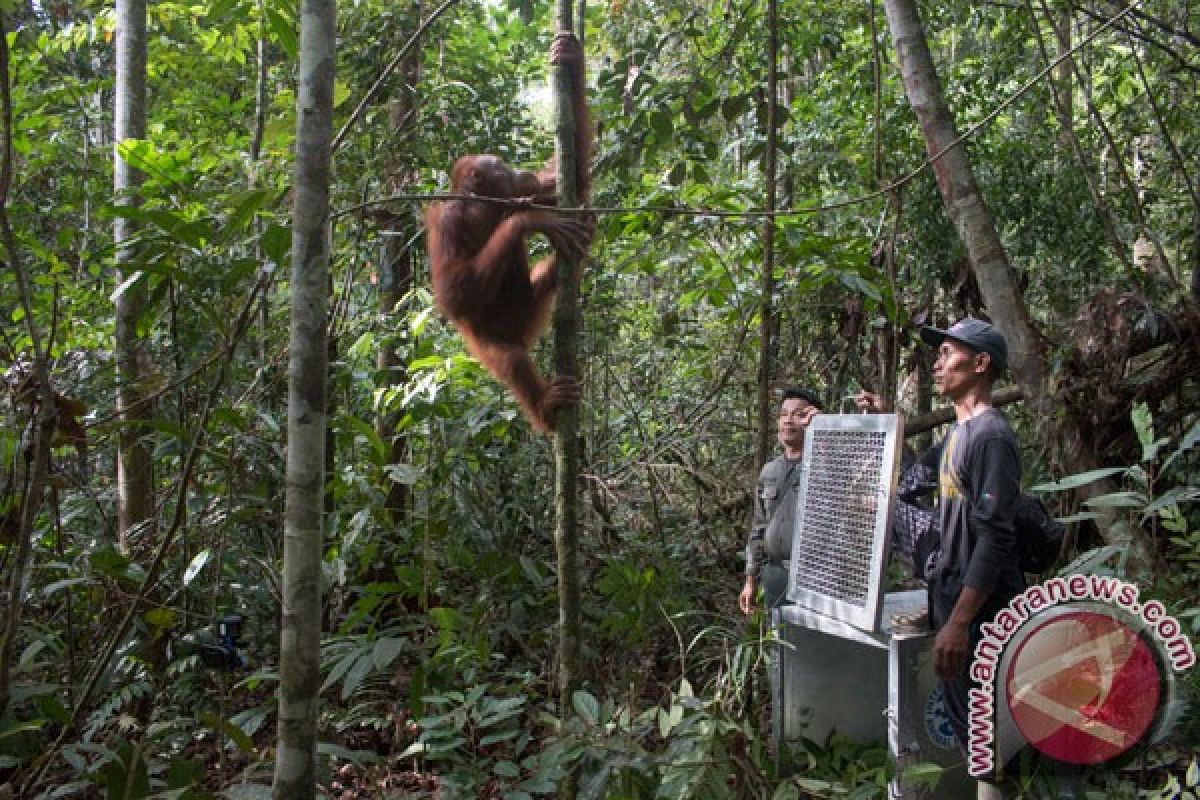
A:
{"points": [[396, 271], [566, 443], [135, 470], [989, 262], [300, 638], [766, 304], [964, 202]]}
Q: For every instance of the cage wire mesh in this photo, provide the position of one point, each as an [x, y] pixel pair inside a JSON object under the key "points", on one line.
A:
{"points": [[839, 547]]}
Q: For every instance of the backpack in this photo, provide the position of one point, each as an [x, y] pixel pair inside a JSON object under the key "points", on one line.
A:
{"points": [[1039, 535]]}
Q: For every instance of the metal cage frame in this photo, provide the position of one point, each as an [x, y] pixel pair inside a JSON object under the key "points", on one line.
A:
{"points": [[844, 516]]}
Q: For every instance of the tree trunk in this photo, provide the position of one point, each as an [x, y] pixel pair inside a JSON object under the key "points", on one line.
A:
{"points": [[256, 140], [31, 463], [300, 638], [566, 443], [766, 311], [135, 473], [1062, 91], [964, 202], [989, 262], [396, 269]]}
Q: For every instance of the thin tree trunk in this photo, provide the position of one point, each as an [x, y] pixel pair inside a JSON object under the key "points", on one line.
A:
{"points": [[29, 476], [1151, 242], [766, 326], [300, 637], [567, 321], [1061, 90], [135, 473], [1196, 257], [1164, 130], [256, 139], [396, 271]]}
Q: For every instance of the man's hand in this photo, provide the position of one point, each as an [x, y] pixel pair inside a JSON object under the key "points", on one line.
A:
{"points": [[746, 598], [807, 415], [950, 651], [871, 402], [952, 647]]}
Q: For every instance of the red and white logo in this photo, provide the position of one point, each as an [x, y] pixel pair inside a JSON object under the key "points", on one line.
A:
{"points": [[1084, 687]]}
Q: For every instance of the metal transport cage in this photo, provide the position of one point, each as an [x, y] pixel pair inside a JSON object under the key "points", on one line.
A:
{"points": [[841, 666]]}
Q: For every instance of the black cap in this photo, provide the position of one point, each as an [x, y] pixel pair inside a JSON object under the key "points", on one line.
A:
{"points": [[980, 336], [802, 393]]}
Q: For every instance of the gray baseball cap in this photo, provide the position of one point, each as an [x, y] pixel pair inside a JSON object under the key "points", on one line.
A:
{"points": [[980, 336]]}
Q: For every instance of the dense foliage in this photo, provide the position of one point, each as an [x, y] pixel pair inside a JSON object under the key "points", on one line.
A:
{"points": [[440, 599]]}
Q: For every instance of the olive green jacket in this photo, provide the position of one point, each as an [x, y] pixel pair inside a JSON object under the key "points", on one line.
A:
{"points": [[770, 536]]}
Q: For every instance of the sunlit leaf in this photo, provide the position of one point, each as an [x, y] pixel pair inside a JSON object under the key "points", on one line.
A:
{"points": [[1081, 479], [197, 563]]}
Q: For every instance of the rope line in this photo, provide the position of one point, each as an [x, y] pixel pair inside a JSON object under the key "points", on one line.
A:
{"points": [[793, 212]]}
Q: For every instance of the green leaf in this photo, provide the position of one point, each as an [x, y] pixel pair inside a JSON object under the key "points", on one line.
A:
{"points": [[358, 757], [277, 243], [183, 772], [27, 726], [1117, 500], [1143, 423], [499, 736], [386, 650], [161, 618], [506, 769], [786, 791], [143, 155], [1080, 479], [364, 429], [235, 734], [1082, 516], [586, 706], [1092, 561], [57, 586], [924, 773], [284, 32], [811, 785], [357, 674], [246, 206], [1189, 441], [197, 564], [1172, 497], [414, 749], [108, 561], [406, 474], [661, 124]]}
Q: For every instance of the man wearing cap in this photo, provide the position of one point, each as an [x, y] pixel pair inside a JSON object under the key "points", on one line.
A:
{"points": [[976, 571], [770, 541]]}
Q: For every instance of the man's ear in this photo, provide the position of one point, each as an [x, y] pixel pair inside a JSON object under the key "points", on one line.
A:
{"points": [[983, 363]]}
